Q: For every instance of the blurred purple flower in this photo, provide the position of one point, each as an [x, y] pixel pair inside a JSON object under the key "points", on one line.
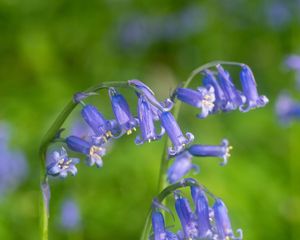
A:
{"points": [[277, 14], [292, 62], [13, 164], [70, 215], [286, 108]]}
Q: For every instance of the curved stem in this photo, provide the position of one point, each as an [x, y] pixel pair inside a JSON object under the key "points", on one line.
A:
{"points": [[50, 137]]}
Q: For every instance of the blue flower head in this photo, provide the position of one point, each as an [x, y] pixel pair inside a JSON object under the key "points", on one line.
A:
{"points": [[221, 151], [121, 110], [210, 81], [202, 98], [59, 164], [175, 134], [93, 152], [202, 212], [180, 167], [253, 100], [222, 221], [234, 98], [159, 229], [100, 126], [185, 214], [146, 119]]}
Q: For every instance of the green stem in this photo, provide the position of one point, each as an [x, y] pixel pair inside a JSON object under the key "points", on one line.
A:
{"points": [[49, 138]]}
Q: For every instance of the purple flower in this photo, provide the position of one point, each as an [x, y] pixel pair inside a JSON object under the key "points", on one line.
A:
{"points": [[233, 97], [175, 134], [93, 152], [202, 98], [146, 119], [293, 62], [253, 100], [180, 167], [122, 112], [287, 109], [209, 81], [13, 168], [59, 164], [185, 214], [222, 221], [221, 151], [159, 229], [70, 215], [101, 127], [201, 212], [81, 130]]}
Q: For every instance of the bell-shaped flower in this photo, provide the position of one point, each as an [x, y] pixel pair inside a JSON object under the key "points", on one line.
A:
{"points": [[94, 153], [147, 127], [234, 98], [253, 100], [201, 212], [185, 214], [121, 110], [209, 81], [222, 221], [59, 164], [159, 229], [221, 151], [203, 99], [97, 122], [180, 167], [175, 134]]}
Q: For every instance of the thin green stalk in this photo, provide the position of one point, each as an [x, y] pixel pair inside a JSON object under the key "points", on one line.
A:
{"points": [[49, 138]]}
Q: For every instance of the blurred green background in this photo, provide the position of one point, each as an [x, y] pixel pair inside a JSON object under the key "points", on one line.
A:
{"points": [[51, 49]]}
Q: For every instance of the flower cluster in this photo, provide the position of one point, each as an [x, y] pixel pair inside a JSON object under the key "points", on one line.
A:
{"points": [[204, 222], [217, 94]]}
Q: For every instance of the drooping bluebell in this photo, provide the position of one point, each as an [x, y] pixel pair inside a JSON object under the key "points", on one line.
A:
{"points": [[94, 153], [59, 164], [253, 100], [121, 110], [203, 99], [146, 119], [175, 134]]}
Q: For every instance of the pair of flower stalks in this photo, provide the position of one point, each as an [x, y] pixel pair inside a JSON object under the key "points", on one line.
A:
{"points": [[217, 94]]}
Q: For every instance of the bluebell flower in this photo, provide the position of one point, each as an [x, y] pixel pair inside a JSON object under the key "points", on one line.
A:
{"points": [[222, 221], [286, 108], [70, 215], [180, 167], [202, 98], [175, 134], [121, 110], [82, 130], [221, 151], [143, 89], [202, 212], [147, 127], [253, 100], [185, 214], [93, 152], [59, 164], [209, 81], [159, 229], [234, 98], [100, 126]]}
